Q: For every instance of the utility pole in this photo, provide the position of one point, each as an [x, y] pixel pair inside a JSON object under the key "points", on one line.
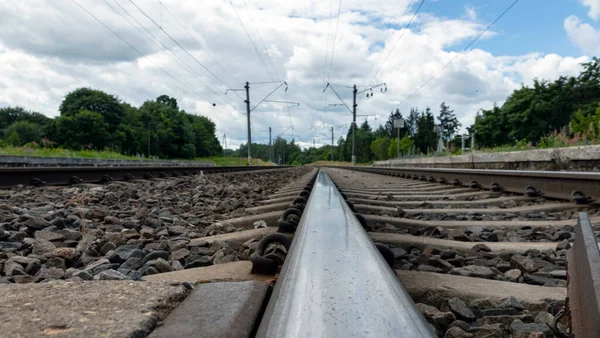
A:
{"points": [[398, 142], [314, 143], [247, 86], [353, 110], [331, 144], [270, 147], [473, 141], [399, 123], [354, 91], [148, 139], [462, 139], [440, 133], [248, 109]]}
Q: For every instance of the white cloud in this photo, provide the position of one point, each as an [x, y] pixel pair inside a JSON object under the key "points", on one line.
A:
{"points": [[594, 6], [470, 13], [586, 37], [60, 48]]}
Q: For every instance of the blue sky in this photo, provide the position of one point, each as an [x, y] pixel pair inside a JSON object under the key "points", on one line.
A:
{"points": [[530, 26]]}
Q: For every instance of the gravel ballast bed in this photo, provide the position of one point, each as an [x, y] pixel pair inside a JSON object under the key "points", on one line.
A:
{"points": [[124, 230], [454, 318], [546, 268]]}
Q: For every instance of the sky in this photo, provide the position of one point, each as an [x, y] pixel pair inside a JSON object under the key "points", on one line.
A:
{"points": [[195, 50]]}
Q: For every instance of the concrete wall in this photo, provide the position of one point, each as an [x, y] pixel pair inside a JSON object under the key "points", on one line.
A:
{"points": [[33, 161], [584, 158]]}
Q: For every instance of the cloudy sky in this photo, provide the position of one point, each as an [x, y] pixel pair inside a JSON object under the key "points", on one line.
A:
{"points": [[195, 50]]}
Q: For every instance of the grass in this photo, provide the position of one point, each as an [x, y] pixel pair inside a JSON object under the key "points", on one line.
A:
{"points": [[336, 163], [59, 152], [233, 161]]}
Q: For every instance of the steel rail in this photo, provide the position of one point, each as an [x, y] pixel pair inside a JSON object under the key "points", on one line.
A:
{"points": [[553, 184], [10, 177], [334, 282], [583, 281]]}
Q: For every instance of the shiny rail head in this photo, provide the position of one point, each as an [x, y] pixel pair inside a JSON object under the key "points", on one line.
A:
{"points": [[335, 282], [583, 281]]}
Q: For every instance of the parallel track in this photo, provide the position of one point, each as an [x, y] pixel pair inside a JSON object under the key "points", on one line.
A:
{"points": [[10, 177], [551, 184]]}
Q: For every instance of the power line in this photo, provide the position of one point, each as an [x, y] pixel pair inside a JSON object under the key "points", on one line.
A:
{"points": [[459, 54], [253, 24], [398, 40], [261, 40], [327, 48], [157, 42], [198, 42], [385, 38], [251, 41], [324, 93], [178, 44], [334, 40], [133, 47]]}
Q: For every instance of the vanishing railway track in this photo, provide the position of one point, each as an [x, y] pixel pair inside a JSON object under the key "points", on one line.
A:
{"points": [[366, 252], [476, 262]]}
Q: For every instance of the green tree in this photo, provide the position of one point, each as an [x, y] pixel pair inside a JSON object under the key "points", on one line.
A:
{"points": [[405, 144], [167, 100], [22, 132], [380, 147], [392, 151], [13, 138], [425, 138], [448, 121], [131, 136], [412, 121], [491, 127], [364, 138], [107, 105], [389, 124], [85, 129]]}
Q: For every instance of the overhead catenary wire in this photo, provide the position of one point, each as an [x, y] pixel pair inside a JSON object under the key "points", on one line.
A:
{"points": [[460, 53], [251, 41], [338, 96], [327, 47], [157, 42], [397, 40], [334, 41], [326, 63], [284, 96], [261, 41], [191, 91], [198, 42], [178, 44], [385, 38]]}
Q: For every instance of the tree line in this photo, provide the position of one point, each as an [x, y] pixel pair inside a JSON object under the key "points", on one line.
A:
{"points": [[93, 119], [547, 114], [568, 108]]}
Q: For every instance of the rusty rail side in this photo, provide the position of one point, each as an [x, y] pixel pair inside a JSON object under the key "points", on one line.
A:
{"points": [[583, 281], [553, 184]]}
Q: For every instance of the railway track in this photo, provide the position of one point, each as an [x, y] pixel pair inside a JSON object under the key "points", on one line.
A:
{"points": [[470, 261], [41, 176]]}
